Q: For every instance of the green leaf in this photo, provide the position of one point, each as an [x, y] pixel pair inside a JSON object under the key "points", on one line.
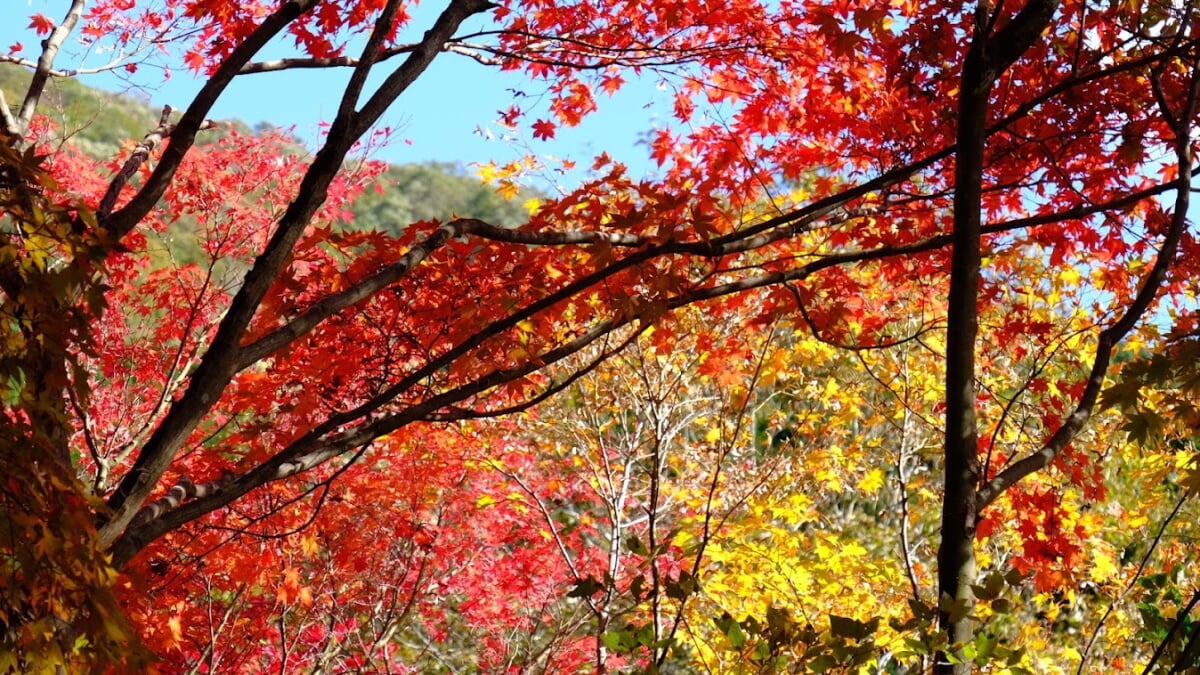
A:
{"points": [[736, 636], [1144, 426], [779, 622], [681, 588], [846, 627], [821, 664], [1014, 577], [917, 646], [585, 588], [612, 640], [957, 609], [636, 546], [645, 636], [985, 646], [920, 610], [637, 587], [991, 588], [1124, 395]]}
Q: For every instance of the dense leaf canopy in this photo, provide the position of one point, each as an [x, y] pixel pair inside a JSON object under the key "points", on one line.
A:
{"points": [[886, 366]]}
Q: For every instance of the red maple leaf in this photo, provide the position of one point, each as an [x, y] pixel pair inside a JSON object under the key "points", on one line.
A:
{"points": [[543, 129], [509, 117], [41, 24], [194, 60]]}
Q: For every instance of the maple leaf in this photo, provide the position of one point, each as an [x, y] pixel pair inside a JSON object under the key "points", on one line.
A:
{"points": [[510, 116], [175, 625], [611, 83], [195, 60], [543, 129], [41, 24]]}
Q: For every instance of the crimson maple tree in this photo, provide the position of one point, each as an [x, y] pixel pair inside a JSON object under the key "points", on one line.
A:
{"points": [[852, 164]]}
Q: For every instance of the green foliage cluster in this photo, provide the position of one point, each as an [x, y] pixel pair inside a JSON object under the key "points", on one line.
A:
{"points": [[1167, 622]]}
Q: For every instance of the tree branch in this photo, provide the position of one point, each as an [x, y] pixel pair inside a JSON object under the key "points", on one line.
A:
{"points": [[138, 157], [220, 362], [183, 136], [1108, 339], [324, 443], [41, 74], [11, 127], [330, 438], [1018, 35], [422, 55], [330, 305]]}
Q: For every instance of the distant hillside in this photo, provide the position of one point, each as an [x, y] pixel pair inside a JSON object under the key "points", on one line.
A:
{"points": [[98, 122], [433, 190]]}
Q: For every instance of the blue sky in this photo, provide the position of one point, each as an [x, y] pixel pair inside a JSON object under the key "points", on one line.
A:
{"points": [[447, 115]]}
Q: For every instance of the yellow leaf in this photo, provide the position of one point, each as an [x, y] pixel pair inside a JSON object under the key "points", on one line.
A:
{"points": [[871, 482], [738, 397], [1104, 565], [309, 545], [831, 388], [487, 172]]}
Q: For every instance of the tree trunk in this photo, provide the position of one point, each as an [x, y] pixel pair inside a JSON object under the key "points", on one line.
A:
{"points": [[956, 554], [987, 58]]}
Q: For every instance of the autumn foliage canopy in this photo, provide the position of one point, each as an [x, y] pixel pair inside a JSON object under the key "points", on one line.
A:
{"points": [[886, 363]]}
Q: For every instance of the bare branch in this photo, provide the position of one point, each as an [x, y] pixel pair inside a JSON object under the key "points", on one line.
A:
{"points": [[306, 63], [589, 56], [115, 63], [370, 54], [422, 55], [11, 126]]}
